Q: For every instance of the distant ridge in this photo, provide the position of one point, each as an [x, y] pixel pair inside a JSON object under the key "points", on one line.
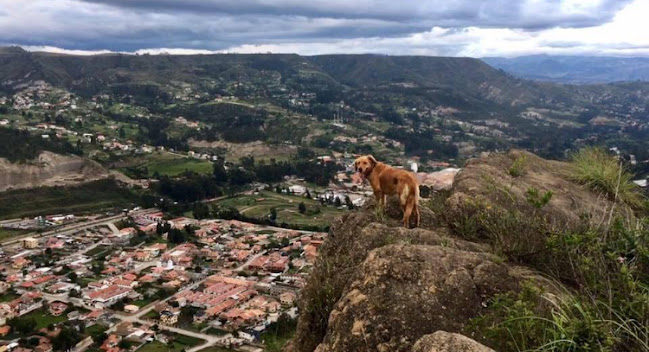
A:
{"points": [[574, 69], [450, 78]]}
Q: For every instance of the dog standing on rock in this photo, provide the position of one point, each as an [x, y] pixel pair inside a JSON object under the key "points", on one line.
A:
{"points": [[386, 180]]}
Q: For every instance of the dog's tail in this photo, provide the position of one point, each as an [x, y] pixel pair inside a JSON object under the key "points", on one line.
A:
{"points": [[405, 194]]}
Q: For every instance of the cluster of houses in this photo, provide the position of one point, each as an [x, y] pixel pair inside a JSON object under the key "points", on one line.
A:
{"points": [[236, 276]]}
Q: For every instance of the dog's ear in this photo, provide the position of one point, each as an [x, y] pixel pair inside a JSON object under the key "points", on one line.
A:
{"points": [[372, 160]]}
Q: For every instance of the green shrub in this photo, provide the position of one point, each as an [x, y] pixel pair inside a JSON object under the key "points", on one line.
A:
{"points": [[608, 271], [534, 321], [518, 167], [535, 198], [601, 172]]}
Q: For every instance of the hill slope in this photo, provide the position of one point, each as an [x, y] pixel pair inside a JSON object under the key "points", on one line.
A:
{"points": [[464, 77], [574, 69]]}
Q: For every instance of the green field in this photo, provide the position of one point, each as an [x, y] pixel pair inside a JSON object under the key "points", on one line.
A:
{"points": [[216, 349], [166, 164], [8, 233], [96, 330], [259, 206], [44, 319], [8, 296], [181, 342], [91, 196]]}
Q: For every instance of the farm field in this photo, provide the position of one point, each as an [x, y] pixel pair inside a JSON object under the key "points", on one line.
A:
{"points": [[91, 196], [259, 206], [9, 233], [165, 164]]}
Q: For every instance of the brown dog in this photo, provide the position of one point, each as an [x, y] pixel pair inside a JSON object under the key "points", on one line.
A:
{"points": [[386, 181]]}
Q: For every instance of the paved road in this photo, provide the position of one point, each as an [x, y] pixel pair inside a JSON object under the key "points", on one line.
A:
{"points": [[113, 228], [70, 229]]}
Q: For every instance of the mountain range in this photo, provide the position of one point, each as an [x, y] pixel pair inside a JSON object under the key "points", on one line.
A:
{"points": [[442, 80], [574, 69]]}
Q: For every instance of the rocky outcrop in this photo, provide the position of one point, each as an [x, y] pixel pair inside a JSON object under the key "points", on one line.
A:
{"points": [[442, 341], [488, 181], [402, 292], [380, 287], [440, 180], [49, 169]]}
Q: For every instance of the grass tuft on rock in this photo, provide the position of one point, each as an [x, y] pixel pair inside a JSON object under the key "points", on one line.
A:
{"points": [[601, 172]]}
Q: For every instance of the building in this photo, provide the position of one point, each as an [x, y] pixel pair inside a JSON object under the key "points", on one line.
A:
{"points": [[57, 308], [30, 242], [131, 308], [169, 316], [287, 298]]}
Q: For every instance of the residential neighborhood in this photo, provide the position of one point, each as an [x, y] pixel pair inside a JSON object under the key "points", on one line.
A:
{"points": [[150, 278]]}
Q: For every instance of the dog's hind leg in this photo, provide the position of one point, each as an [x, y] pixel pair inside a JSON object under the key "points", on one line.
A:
{"points": [[407, 212]]}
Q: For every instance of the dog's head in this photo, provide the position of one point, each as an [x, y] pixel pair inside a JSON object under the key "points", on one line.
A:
{"points": [[364, 165]]}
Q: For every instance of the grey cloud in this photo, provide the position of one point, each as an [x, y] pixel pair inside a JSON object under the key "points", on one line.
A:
{"points": [[481, 13], [129, 25]]}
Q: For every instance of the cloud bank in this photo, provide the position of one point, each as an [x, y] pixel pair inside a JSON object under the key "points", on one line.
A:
{"points": [[406, 27]]}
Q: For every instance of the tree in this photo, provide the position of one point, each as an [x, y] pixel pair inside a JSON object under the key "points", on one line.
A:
{"points": [[73, 277], [124, 345], [119, 305], [273, 214], [66, 339], [201, 211], [248, 162], [285, 242], [33, 341], [177, 236], [98, 268], [23, 325], [301, 208], [219, 172], [338, 202], [308, 194]]}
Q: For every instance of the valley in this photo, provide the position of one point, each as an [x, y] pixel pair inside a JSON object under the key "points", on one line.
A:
{"points": [[179, 202]]}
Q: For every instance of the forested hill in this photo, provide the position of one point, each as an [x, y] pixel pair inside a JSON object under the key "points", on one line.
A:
{"points": [[450, 78]]}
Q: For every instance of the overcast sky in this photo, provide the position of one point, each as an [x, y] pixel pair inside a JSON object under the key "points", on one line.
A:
{"points": [[476, 28]]}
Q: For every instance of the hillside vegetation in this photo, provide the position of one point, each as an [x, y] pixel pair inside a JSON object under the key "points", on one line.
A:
{"points": [[88, 197], [20, 146], [519, 261], [447, 79]]}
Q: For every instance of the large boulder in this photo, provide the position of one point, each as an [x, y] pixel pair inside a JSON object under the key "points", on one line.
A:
{"points": [[442, 341], [402, 292], [352, 237], [491, 181]]}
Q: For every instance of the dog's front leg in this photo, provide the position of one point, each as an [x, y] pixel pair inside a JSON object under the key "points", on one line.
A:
{"points": [[380, 198]]}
